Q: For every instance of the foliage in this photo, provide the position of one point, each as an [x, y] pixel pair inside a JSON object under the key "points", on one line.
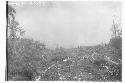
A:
{"points": [[29, 59], [61, 65]]}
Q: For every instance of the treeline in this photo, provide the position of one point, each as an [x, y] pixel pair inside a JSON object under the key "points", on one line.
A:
{"points": [[29, 59]]}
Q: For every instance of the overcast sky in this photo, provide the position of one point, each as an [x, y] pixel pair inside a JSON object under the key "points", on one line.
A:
{"points": [[68, 24]]}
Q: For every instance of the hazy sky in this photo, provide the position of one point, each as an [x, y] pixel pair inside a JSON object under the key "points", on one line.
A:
{"points": [[68, 24]]}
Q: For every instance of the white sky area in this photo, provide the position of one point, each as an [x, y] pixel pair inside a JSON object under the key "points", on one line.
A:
{"points": [[68, 24]]}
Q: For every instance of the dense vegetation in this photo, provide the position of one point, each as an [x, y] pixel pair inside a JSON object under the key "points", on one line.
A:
{"points": [[29, 59]]}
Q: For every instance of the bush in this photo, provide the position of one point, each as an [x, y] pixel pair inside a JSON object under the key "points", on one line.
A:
{"points": [[116, 42]]}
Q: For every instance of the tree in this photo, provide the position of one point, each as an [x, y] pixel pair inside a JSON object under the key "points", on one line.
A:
{"points": [[14, 31], [116, 39], [116, 28], [115, 70], [13, 34]]}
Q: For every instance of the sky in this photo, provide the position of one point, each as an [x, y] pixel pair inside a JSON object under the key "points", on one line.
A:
{"points": [[68, 23]]}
